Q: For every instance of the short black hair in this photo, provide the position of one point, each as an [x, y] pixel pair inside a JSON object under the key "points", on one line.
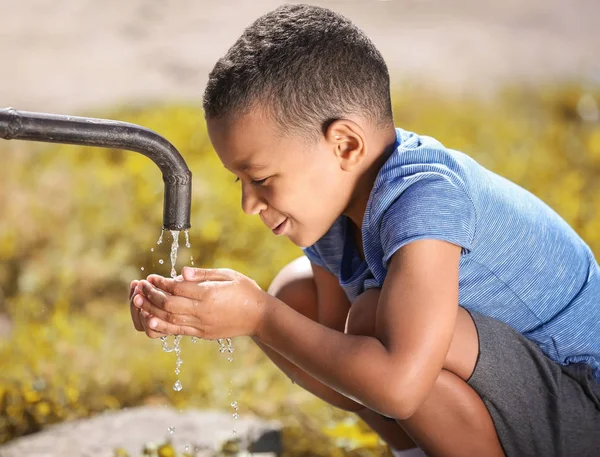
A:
{"points": [[307, 66]]}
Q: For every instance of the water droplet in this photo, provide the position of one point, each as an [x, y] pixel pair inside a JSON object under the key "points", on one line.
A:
{"points": [[165, 344], [186, 448], [151, 249], [230, 359], [236, 415], [194, 339], [234, 404], [192, 260], [171, 430], [177, 386], [177, 371], [234, 431], [142, 269], [222, 347], [160, 238], [161, 261], [187, 239]]}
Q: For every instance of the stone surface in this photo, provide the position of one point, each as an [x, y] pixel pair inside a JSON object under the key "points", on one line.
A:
{"points": [[132, 428]]}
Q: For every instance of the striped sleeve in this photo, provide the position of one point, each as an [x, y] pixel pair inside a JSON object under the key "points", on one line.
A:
{"points": [[313, 256], [431, 208]]}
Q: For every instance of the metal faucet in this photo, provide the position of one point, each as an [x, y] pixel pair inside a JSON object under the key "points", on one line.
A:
{"points": [[55, 128]]}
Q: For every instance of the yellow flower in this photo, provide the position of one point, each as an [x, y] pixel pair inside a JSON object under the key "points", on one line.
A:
{"points": [[31, 396], [166, 450], [43, 408], [72, 394]]}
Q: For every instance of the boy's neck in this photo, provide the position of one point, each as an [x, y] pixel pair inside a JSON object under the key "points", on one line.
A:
{"points": [[383, 145]]}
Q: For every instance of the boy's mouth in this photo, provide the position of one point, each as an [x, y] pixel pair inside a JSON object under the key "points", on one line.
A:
{"points": [[280, 228]]}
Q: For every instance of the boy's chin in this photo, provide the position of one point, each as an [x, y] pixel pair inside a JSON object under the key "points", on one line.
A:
{"points": [[295, 240], [302, 240]]}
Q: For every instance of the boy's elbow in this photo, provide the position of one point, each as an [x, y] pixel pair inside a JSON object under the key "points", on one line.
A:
{"points": [[400, 407], [403, 399], [405, 409]]}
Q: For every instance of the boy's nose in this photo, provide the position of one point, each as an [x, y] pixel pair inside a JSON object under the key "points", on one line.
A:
{"points": [[251, 202]]}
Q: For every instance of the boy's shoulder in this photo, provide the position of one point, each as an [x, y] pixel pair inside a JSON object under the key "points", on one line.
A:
{"points": [[420, 166], [417, 157]]}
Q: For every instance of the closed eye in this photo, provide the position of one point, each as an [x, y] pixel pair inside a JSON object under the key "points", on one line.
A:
{"points": [[256, 182], [259, 182]]}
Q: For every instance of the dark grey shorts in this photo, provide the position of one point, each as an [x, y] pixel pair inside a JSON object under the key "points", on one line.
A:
{"points": [[539, 407]]}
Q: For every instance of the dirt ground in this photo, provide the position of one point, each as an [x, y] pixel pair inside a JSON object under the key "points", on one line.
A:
{"points": [[75, 56]]}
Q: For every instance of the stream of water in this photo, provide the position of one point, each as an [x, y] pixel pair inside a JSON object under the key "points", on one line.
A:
{"points": [[225, 344]]}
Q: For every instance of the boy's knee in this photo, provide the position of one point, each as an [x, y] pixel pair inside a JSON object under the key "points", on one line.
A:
{"points": [[295, 286], [361, 318]]}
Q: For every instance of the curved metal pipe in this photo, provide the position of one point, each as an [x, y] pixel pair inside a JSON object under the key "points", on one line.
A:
{"points": [[55, 128]]}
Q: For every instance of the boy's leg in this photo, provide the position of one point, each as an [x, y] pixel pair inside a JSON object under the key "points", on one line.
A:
{"points": [[453, 420], [295, 287], [451, 417]]}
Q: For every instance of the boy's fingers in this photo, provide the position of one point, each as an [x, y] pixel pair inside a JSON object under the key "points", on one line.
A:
{"points": [[132, 287], [141, 302], [165, 284], [174, 290], [150, 332], [158, 325], [160, 282], [135, 317], [155, 279], [173, 309], [140, 316], [154, 294], [208, 274]]}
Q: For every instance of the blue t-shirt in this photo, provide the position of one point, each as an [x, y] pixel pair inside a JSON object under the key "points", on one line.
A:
{"points": [[521, 263]]}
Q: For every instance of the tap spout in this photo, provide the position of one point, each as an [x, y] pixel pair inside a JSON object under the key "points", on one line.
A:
{"points": [[55, 128]]}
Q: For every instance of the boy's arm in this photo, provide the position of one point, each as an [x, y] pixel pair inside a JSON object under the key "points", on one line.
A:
{"points": [[331, 311], [393, 373]]}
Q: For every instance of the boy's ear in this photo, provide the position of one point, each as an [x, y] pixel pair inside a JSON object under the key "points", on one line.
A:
{"points": [[347, 140]]}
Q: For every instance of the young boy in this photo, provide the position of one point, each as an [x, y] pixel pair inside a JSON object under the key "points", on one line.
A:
{"points": [[449, 308]]}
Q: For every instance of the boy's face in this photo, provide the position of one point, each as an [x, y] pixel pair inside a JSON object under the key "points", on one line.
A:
{"points": [[298, 189]]}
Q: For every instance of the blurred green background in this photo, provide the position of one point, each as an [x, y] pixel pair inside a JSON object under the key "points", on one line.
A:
{"points": [[78, 224]]}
